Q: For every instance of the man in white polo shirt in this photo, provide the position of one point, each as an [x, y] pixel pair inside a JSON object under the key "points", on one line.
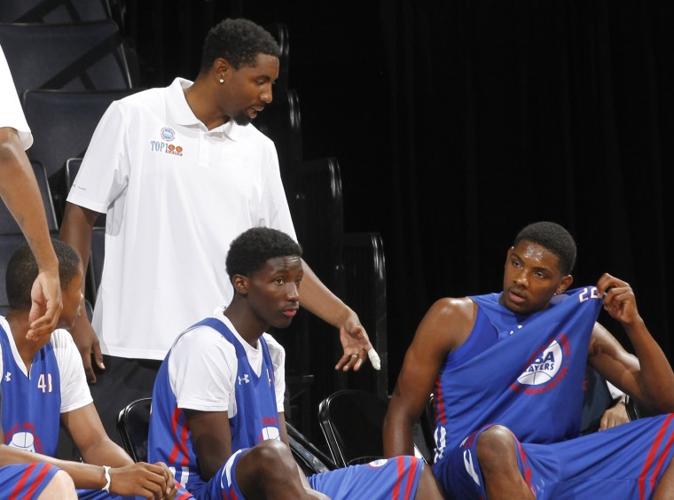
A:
{"points": [[180, 172], [18, 189]]}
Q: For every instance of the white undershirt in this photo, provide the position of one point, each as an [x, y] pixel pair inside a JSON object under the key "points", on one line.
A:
{"points": [[74, 389], [203, 368]]}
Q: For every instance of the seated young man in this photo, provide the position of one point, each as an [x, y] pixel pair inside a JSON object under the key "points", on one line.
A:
{"points": [[42, 379], [506, 370], [217, 415]]}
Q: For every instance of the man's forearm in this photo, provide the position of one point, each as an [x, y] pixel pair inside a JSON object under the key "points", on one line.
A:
{"points": [[20, 192], [106, 452], [319, 300], [656, 376], [84, 475]]}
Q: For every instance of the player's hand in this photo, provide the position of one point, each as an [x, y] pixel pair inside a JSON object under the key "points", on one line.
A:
{"points": [[619, 300], [142, 479], [356, 345], [614, 416], [87, 342], [46, 305]]}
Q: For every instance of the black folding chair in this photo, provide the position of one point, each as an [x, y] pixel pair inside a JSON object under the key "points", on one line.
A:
{"points": [[133, 424], [352, 423]]}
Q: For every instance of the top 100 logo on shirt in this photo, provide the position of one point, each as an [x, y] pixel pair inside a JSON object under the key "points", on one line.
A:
{"points": [[164, 146]]}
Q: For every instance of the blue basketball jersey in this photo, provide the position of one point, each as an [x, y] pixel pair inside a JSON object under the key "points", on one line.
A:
{"points": [[31, 405], [523, 372], [256, 418]]}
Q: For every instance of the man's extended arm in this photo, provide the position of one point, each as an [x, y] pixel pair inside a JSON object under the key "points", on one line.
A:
{"points": [[319, 300], [19, 191], [78, 223], [647, 376], [443, 326]]}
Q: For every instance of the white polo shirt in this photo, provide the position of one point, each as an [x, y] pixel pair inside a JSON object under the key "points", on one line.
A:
{"points": [[176, 195], [11, 114]]}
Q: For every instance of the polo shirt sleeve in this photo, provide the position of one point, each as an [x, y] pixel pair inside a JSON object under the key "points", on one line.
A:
{"points": [[74, 389], [11, 114], [277, 212], [104, 173], [202, 368], [278, 359]]}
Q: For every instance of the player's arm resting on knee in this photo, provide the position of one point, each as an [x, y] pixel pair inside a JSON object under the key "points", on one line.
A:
{"points": [[617, 414], [78, 223], [211, 439], [647, 376], [438, 333], [127, 478], [20, 192], [319, 300]]}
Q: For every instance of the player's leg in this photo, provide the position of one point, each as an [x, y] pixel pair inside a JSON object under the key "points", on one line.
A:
{"points": [[497, 455], [35, 480], [428, 488], [60, 486], [269, 471]]}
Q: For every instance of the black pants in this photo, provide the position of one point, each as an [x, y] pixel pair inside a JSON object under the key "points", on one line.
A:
{"points": [[124, 380]]}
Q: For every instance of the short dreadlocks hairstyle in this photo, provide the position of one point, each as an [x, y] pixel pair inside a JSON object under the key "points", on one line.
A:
{"points": [[239, 41]]}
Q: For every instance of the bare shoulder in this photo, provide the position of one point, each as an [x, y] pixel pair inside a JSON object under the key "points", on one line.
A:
{"points": [[449, 321]]}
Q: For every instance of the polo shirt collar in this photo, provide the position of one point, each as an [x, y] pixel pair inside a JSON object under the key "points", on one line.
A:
{"points": [[181, 113]]}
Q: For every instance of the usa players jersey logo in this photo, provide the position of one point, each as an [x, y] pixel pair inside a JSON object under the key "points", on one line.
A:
{"points": [[547, 368]]}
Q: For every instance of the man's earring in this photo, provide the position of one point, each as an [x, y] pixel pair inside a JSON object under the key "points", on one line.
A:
{"points": [[221, 81]]}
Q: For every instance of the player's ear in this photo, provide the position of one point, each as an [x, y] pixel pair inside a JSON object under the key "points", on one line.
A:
{"points": [[565, 284], [240, 284]]}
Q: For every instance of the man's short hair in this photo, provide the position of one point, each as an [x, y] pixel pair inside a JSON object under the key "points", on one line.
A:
{"points": [[251, 249], [22, 270], [553, 237], [239, 41]]}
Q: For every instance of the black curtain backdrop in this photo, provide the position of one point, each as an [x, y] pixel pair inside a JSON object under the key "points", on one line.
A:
{"points": [[458, 122]]}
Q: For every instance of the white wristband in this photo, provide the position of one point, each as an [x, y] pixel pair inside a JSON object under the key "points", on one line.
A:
{"points": [[108, 480]]}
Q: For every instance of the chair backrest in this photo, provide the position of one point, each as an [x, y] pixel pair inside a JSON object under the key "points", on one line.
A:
{"points": [[133, 424], [62, 122], [365, 282], [307, 455], [73, 56], [351, 422], [7, 223], [53, 11]]}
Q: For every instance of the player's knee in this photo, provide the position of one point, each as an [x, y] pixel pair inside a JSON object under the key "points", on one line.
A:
{"points": [[60, 486], [272, 458], [494, 446]]}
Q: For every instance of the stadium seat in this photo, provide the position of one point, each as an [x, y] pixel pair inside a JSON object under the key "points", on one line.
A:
{"points": [[53, 11], [7, 223], [133, 423], [62, 123], [76, 56], [281, 122], [352, 423], [8, 244], [309, 458], [365, 283]]}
